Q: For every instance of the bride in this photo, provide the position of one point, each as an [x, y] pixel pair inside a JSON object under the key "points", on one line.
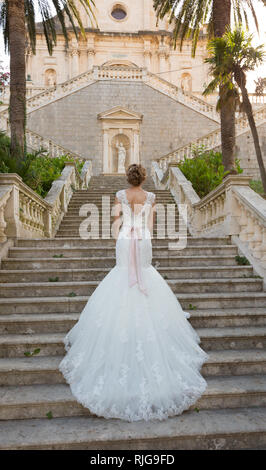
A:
{"points": [[133, 354]]}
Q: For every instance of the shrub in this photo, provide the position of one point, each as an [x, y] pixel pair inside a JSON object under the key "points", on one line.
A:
{"points": [[37, 169], [205, 170], [256, 185]]}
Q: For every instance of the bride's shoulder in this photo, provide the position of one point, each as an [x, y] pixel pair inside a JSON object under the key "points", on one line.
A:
{"points": [[151, 197], [120, 195]]}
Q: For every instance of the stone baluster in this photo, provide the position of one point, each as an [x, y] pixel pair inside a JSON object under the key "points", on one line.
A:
{"points": [[3, 223]]}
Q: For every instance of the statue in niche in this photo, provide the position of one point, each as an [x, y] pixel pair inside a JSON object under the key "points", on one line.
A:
{"points": [[51, 78], [186, 83], [121, 157]]}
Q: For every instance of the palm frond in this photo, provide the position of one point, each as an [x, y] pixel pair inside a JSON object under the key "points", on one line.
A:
{"points": [[4, 24], [189, 16]]}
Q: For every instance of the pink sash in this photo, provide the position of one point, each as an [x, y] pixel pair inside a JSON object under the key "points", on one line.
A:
{"points": [[135, 275]]}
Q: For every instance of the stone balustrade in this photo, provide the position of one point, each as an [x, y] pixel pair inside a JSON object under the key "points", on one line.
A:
{"points": [[232, 209], [118, 73], [31, 90], [211, 140], [174, 92], [37, 142], [25, 214]]}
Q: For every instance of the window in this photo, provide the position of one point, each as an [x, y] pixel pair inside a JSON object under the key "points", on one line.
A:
{"points": [[119, 13]]}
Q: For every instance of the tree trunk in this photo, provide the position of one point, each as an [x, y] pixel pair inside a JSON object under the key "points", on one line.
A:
{"points": [[222, 19], [221, 11], [17, 44], [228, 137], [254, 132]]}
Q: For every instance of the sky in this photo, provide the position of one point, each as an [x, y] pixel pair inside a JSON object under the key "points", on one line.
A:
{"points": [[258, 39]]}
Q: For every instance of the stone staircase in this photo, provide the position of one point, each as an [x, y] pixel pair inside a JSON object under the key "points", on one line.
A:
{"points": [[44, 285]]}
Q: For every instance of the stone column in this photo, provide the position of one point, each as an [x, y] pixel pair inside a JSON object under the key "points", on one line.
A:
{"points": [[161, 61], [106, 166], [69, 61], [29, 63], [75, 63], [91, 54], [135, 157]]}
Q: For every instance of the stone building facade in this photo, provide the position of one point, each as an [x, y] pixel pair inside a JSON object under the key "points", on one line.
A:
{"points": [[126, 33], [125, 85]]}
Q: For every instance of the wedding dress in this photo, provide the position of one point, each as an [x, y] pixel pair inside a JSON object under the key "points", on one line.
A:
{"points": [[133, 354]]}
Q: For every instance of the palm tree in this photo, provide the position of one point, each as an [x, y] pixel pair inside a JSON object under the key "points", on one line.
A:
{"points": [[16, 18], [231, 57], [188, 17]]}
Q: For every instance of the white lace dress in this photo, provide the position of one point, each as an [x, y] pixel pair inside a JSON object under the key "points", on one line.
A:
{"points": [[133, 354]]}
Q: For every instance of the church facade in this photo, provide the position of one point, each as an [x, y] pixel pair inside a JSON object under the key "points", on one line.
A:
{"points": [[126, 33], [124, 94]]}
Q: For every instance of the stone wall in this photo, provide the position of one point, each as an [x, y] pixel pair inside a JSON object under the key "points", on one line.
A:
{"points": [[245, 151], [72, 121]]}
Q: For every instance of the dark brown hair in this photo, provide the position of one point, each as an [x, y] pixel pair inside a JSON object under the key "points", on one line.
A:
{"points": [[136, 174]]}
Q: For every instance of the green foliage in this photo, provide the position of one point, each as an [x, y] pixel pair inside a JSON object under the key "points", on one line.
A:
{"points": [[257, 186], [33, 353], [53, 279], [49, 415], [72, 294], [66, 12], [205, 170], [192, 307], [231, 56], [242, 260], [37, 169], [188, 17]]}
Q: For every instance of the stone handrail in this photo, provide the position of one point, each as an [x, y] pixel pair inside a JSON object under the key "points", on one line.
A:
{"points": [[31, 90], [186, 98], [35, 141], [56, 92], [211, 140], [25, 214], [118, 73], [232, 209]]}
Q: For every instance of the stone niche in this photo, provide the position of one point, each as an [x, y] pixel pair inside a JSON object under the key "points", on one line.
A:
{"points": [[120, 126]]}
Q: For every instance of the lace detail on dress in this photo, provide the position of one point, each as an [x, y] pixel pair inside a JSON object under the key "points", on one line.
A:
{"points": [[122, 197]]}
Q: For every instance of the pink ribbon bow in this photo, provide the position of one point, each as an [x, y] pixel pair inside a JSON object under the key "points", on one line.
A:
{"points": [[135, 275]]}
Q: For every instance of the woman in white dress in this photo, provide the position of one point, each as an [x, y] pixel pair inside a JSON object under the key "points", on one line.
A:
{"points": [[133, 354]]}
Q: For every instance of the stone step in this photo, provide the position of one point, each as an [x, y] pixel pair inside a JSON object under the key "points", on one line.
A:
{"points": [[188, 301], [100, 250], [34, 323], [207, 429], [51, 344], [74, 214], [76, 242], [16, 371], [97, 274], [52, 289], [72, 229], [109, 261], [159, 233], [35, 401]]}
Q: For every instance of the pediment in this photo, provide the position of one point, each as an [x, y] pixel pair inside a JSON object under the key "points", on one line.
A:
{"points": [[120, 113]]}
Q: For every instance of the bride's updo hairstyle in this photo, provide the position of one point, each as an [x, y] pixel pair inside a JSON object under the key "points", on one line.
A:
{"points": [[136, 174]]}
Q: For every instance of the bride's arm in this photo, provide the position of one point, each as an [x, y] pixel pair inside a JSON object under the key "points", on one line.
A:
{"points": [[151, 218], [117, 209]]}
